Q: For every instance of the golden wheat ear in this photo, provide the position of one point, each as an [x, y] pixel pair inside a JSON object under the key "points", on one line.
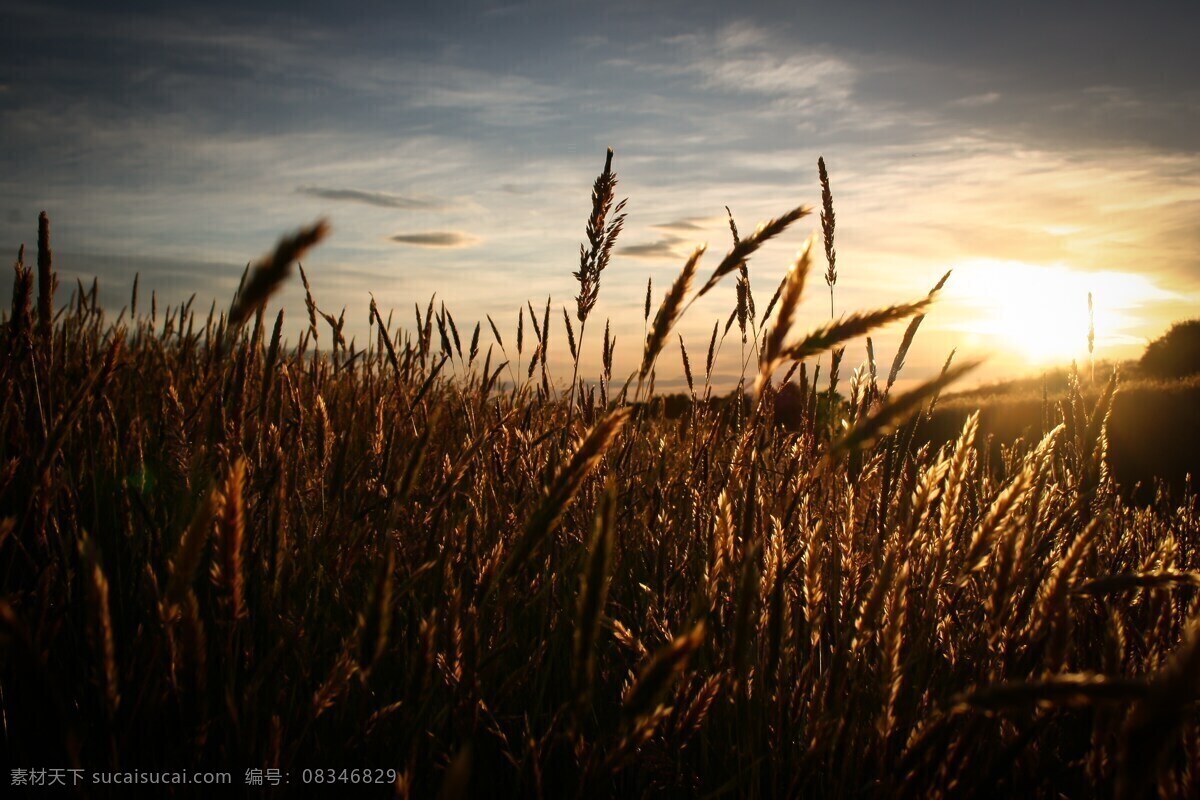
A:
{"points": [[191, 548], [790, 293], [746, 247], [660, 673], [850, 327], [896, 410], [1071, 689], [100, 622], [909, 334], [563, 490], [231, 538], [669, 312], [271, 271]]}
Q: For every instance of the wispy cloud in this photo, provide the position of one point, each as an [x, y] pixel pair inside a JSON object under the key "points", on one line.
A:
{"points": [[686, 225], [976, 100], [679, 238], [451, 239], [380, 199], [746, 59], [670, 248], [501, 100]]}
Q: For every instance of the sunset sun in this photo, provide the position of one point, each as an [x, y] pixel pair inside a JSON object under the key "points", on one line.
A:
{"points": [[1040, 312]]}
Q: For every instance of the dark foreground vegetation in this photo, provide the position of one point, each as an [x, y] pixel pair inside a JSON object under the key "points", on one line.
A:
{"points": [[220, 551]]}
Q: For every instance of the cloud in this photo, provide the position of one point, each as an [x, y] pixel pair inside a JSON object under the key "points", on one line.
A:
{"points": [[976, 100], [669, 248], [380, 199], [687, 224], [672, 246], [745, 58], [437, 239], [491, 98]]}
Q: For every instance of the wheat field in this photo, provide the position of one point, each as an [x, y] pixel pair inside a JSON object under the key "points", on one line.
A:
{"points": [[221, 549]]}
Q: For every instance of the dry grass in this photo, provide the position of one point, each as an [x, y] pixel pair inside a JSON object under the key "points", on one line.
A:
{"points": [[220, 552]]}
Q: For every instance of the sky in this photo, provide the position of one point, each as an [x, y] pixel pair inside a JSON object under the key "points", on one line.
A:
{"points": [[1040, 150]]}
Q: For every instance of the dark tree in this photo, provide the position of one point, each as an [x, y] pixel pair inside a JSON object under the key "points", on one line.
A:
{"points": [[1176, 353]]}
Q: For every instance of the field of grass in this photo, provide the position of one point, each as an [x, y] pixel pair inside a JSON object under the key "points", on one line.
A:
{"points": [[221, 551], [1153, 427]]}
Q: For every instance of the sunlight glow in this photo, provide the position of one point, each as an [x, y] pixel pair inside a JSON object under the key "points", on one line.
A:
{"points": [[1041, 311]]}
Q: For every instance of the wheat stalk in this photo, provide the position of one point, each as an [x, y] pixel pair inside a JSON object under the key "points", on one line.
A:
{"points": [[668, 313], [746, 247], [657, 676], [271, 271], [564, 488]]}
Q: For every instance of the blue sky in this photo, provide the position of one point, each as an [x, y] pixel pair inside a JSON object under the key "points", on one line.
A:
{"points": [[1042, 152]]}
